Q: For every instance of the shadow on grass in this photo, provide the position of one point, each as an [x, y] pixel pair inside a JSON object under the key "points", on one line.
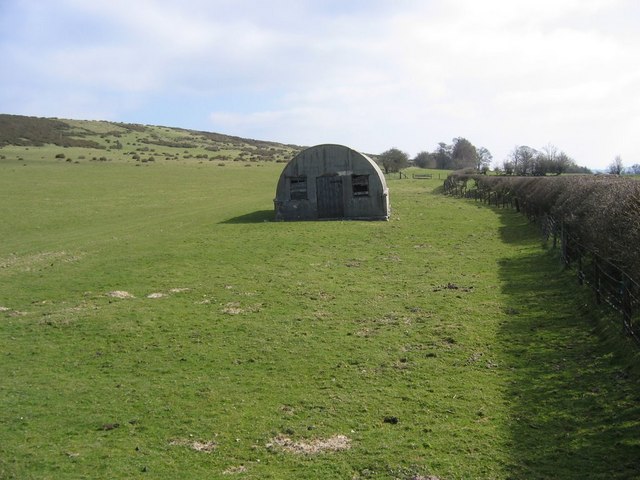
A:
{"points": [[258, 216], [574, 396], [438, 190]]}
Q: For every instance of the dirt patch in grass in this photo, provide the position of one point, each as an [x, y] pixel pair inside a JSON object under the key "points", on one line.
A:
{"points": [[198, 446], [163, 295], [206, 447], [120, 294], [11, 313], [232, 308], [235, 470], [311, 447], [29, 263]]}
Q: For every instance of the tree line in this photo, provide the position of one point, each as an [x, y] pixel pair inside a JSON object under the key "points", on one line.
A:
{"points": [[526, 161], [617, 167], [461, 154]]}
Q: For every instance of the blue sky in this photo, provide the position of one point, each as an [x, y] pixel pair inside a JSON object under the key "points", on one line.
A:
{"points": [[370, 74]]}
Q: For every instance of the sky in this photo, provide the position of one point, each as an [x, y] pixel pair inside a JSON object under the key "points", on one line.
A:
{"points": [[369, 74]]}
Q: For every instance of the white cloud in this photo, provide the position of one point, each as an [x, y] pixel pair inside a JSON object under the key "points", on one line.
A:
{"points": [[372, 74]]}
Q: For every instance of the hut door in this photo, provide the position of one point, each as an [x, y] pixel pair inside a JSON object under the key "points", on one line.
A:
{"points": [[329, 194]]}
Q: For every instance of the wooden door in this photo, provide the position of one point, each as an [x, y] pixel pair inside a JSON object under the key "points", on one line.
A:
{"points": [[329, 195]]}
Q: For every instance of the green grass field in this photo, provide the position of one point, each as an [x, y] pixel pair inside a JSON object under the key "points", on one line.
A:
{"points": [[156, 323]]}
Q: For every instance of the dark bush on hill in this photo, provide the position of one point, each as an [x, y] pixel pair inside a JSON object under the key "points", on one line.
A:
{"points": [[133, 127], [33, 131], [178, 143]]}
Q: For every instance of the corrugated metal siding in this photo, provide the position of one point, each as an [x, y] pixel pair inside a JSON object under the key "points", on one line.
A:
{"points": [[330, 201]]}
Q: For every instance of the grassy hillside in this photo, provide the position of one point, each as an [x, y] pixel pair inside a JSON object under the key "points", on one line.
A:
{"points": [[155, 322], [83, 140]]}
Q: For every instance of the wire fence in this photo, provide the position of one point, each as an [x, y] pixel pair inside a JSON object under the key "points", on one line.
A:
{"points": [[611, 285]]}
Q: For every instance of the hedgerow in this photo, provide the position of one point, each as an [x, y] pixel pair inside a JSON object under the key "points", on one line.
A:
{"points": [[598, 218], [602, 212]]}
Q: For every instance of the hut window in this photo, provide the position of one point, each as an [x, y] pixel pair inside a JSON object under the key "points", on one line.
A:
{"points": [[360, 184], [298, 188]]}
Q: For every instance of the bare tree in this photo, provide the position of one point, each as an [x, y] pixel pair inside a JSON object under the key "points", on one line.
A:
{"points": [[616, 167], [523, 160], [553, 160], [483, 159], [508, 167]]}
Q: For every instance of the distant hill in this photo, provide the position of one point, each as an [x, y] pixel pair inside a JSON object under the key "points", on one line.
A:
{"points": [[24, 131]]}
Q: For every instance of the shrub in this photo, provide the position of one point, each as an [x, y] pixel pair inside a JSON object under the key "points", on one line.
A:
{"points": [[601, 213]]}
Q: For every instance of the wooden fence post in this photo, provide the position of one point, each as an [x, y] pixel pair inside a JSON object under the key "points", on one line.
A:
{"points": [[596, 279], [626, 300], [563, 244], [580, 272]]}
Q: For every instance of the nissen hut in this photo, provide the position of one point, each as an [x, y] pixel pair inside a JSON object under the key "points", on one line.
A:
{"points": [[331, 182]]}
